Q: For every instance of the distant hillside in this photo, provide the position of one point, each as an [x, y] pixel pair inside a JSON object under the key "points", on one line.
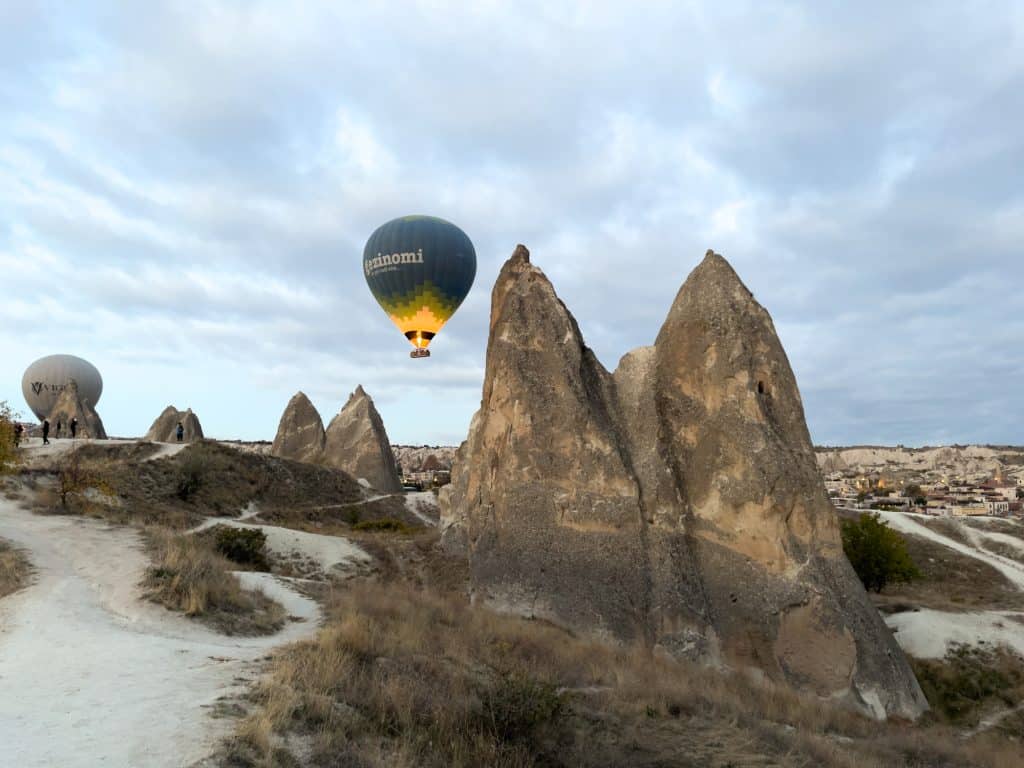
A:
{"points": [[424, 458]]}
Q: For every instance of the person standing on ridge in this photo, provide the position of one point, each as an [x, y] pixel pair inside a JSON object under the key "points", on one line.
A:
{"points": [[180, 432], [56, 434], [46, 431], [74, 427]]}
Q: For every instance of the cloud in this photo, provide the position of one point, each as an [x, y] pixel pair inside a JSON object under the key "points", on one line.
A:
{"points": [[185, 191]]}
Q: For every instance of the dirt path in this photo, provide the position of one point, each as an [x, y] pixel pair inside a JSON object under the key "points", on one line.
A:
{"points": [[927, 633], [92, 675]]}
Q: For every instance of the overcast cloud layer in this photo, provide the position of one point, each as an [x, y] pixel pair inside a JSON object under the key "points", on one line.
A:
{"points": [[186, 188]]}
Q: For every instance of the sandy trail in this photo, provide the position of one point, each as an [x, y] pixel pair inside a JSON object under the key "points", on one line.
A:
{"points": [[167, 449], [927, 633], [91, 675], [417, 502]]}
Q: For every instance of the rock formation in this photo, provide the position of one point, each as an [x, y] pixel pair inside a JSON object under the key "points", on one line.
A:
{"points": [[300, 434], [165, 428], [356, 443], [675, 503], [70, 406]]}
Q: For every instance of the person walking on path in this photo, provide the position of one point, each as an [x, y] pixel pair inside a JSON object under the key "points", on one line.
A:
{"points": [[46, 431], [180, 432], [56, 434], [18, 430], [74, 427]]}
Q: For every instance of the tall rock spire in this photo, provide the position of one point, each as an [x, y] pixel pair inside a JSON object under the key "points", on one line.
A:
{"points": [[300, 433], [357, 443], [676, 502]]}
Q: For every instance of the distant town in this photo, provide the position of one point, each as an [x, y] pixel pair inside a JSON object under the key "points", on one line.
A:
{"points": [[972, 481]]}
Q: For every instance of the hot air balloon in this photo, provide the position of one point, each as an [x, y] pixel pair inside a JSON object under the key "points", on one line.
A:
{"points": [[47, 377], [419, 268]]}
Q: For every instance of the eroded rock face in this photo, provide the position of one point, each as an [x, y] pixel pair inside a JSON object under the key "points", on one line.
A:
{"points": [[675, 503], [70, 406], [300, 434], [357, 443], [165, 428]]}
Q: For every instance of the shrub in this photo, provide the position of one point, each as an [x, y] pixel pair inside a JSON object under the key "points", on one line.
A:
{"points": [[515, 705], [195, 465], [8, 450], [14, 569], [968, 678], [187, 575], [75, 476], [247, 546], [351, 515], [877, 553]]}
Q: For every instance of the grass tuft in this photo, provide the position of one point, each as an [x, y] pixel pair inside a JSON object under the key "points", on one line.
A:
{"points": [[15, 569], [188, 575]]}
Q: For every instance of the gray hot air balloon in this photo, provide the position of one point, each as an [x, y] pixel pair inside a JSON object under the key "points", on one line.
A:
{"points": [[46, 378]]}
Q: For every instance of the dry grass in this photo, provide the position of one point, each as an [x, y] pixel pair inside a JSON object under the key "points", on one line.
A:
{"points": [[15, 569], [402, 677], [188, 575]]}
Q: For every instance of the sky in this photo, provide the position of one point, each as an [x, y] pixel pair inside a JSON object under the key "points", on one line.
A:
{"points": [[186, 189]]}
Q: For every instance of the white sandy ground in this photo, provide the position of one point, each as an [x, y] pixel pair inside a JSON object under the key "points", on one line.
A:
{"points": [[417, 502], [34, 448], [92, 675], [926, 633], [167, 449]]}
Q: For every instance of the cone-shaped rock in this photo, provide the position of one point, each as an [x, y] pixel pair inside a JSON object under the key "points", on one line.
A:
{"points": [[356, 443], [300, 434], [676, 503], [165, 428], [70, 406]]}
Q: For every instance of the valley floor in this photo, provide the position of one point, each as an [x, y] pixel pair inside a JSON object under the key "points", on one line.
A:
{"points": [[92, 674]]}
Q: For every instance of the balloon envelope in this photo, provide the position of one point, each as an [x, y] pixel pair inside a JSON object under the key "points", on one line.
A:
{"points": [[419, 268], [47, 377]]}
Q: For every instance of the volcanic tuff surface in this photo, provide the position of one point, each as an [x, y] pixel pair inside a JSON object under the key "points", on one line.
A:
{"points": [[676, 502], [357, 443], [165, 428], [68, 406], [300, 434]]}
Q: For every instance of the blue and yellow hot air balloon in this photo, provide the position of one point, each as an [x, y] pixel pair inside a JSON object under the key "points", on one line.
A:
{"points": [[419, 268]]}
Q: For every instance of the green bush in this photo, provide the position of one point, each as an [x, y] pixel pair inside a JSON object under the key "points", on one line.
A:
{"points": [[8, 451], [516, 705], [877, 553], [351, 515], [247, 546]]}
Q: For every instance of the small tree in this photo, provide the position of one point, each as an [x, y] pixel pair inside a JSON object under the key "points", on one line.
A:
{"points": [[912, 491], [8, 448], [877, 553]]}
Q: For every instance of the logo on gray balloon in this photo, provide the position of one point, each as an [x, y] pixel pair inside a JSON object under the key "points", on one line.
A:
{"points": [[37, 387]]}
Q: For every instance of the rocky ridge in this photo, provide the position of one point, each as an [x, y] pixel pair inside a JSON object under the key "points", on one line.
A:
{"points": [[676, 503], [300, 434], [355, 441], [165, 428], [70, 406]]}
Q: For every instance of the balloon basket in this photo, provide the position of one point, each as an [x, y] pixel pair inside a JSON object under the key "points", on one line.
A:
{"points": [[419, 353]]}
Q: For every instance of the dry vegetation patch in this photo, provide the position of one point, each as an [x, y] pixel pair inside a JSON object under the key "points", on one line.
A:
{"points": [[15, 569], [971, 682], [188, 575], [405, 677]]}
